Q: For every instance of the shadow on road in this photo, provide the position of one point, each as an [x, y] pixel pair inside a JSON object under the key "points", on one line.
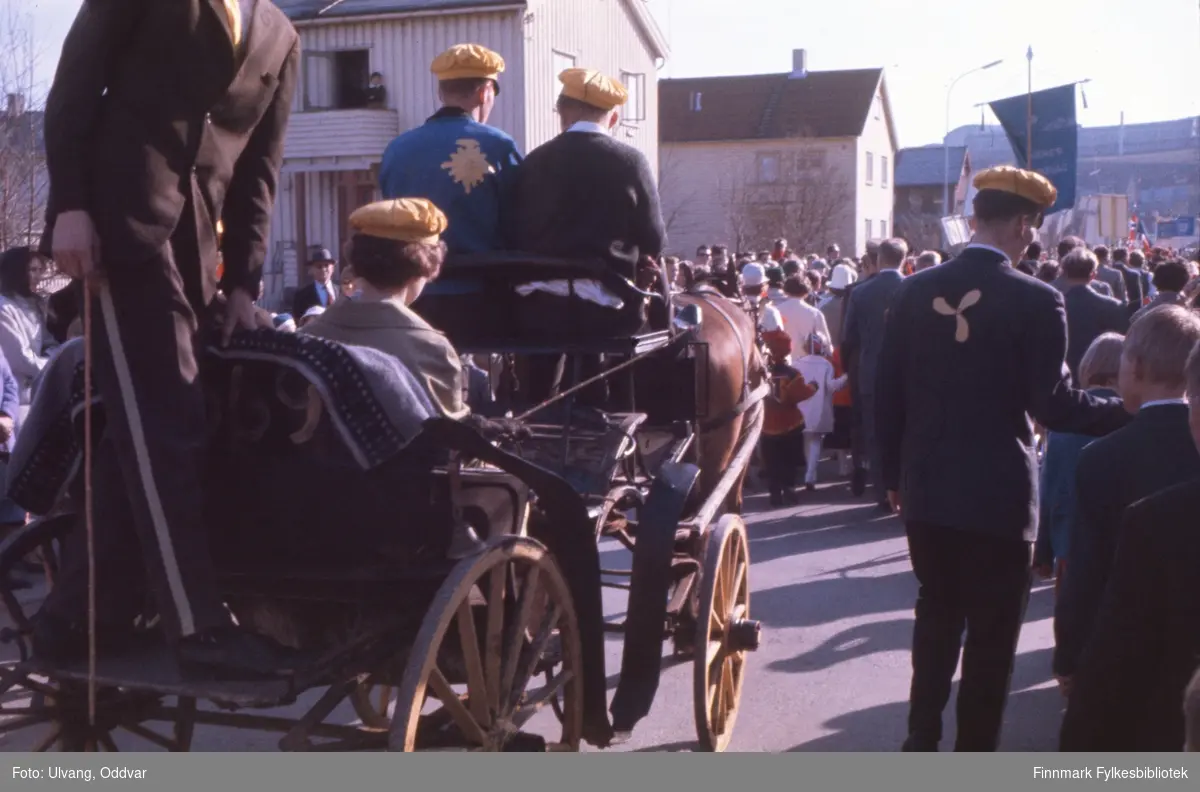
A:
{"points": [[882, 728]]}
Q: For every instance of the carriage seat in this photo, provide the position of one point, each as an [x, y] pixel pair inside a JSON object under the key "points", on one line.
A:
{"points": [[485, 303], [316, 454]]}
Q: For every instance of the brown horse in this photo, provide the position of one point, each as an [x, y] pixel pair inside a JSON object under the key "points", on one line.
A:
{"points": [[735, 368]]}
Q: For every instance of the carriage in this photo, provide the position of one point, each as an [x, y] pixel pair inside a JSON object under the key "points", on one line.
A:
{"points": [[471, 617]]}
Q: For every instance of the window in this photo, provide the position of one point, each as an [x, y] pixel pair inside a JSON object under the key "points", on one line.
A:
{"points": [[883, 171], [867, 225], [635, 107], [883, 228], [768, 168], [336, 80], [870, 168], [696, 103], [562, 62]]}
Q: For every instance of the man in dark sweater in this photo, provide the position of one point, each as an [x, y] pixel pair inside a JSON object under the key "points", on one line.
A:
{"points": [[587, 197], [584, 195]]}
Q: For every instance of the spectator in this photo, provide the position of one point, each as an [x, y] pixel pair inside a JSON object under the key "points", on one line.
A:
{"points": [[11, 515], [834, 304], [23, 337], [814, 286], [800, 319], [1048, 272], [817, 369], [782, 443], [321, 291], [1135, 672], [1110, 275], [1098, 374], [862, 342], [930, 258], [1137, 281], [1169, 281], [1152, 384], [1089, 315], [1032, 259], [1068, 244]]}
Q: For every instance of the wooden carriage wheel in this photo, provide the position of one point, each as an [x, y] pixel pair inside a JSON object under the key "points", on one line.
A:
{"points": [[724, 633], [116, 710], [502, 618], [372, 704]]}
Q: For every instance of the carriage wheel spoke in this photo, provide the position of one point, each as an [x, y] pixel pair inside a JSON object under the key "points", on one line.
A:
{"points": [[541, 697], [477, 694], [535, 652], [385, 698], [716, 654], [494, 644], [454, 706], [515, 638]]}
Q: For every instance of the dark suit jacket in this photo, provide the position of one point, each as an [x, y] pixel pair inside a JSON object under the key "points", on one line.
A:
{"points": [[973, 348], [1137, 286], [1090, 315], [1115, 281], [1127, 694], [155, 122], [307, 297], [1153, 452], [866, 312], [585, 195]]}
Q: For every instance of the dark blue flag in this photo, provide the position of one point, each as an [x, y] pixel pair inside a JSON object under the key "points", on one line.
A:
{"points": [[1055, 137]]}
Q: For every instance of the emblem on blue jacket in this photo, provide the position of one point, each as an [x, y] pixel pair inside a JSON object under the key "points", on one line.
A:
{"points": [[962, 330], [468, 166]]}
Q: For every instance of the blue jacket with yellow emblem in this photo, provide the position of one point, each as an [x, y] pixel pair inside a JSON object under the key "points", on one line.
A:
{"points": [[464, 167]]}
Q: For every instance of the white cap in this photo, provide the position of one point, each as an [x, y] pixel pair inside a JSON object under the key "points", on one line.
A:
{"points": [[753, 274], [842, 277]]}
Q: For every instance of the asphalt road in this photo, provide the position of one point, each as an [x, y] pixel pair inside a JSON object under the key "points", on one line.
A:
{"points": [[832, 584]]}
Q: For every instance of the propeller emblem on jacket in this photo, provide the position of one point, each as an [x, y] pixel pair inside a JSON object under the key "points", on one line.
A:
{"points": [[962, 330]]}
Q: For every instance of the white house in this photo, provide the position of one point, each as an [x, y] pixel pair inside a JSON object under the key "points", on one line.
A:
{"points": [[804, 155], [335, 140]]}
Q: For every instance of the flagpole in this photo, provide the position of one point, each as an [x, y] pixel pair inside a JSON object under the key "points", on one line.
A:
{"points": [[1029, 115]]}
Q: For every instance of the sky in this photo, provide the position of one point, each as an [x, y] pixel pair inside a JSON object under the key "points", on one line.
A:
{"points": [[1141, 57]]}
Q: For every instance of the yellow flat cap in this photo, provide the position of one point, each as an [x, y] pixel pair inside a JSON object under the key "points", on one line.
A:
{"points": [[1029, 185], [591, 87], [403, 219], [466, 62]]}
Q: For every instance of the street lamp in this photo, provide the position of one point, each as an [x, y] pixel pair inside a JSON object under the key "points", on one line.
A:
{"points": [[946, 141]]}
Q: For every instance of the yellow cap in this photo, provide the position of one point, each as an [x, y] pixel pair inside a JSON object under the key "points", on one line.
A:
{"points": [[403, 219], [468, 61], [591, 87], [1027, 184]]}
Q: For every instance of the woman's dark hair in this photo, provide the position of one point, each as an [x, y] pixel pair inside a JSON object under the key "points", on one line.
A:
{"points": [[14, 272], [796, 286], [1170, 276], [390, 265]]}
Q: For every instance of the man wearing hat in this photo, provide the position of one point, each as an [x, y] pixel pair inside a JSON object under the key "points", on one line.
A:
{"points": [[834, 304], [322, 292], [164, 119], [586, 196], [973, 352], [454, 159]]}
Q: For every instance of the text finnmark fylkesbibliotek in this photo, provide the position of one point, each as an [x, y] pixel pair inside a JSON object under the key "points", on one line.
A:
{"points": [[1110, 773]]}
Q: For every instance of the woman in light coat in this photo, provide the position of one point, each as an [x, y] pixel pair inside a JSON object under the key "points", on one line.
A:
{"points": [[817, 369], [24, 340]]}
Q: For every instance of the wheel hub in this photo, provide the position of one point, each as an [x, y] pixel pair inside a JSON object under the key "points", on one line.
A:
{"points": [[745, 635]]}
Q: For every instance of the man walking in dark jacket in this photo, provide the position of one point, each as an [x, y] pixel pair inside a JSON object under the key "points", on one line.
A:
{"points": [[973, 349], [1089, 315]]}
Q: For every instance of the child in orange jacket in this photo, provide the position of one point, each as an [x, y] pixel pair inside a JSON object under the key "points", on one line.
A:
{"points": [[782, 443]]}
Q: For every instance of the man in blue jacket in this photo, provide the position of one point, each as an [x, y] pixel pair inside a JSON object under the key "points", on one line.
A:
{"points": [[454, 159]]}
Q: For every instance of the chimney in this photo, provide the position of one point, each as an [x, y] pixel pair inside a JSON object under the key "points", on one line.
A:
{"points": [[16, 105], [799, 64]]}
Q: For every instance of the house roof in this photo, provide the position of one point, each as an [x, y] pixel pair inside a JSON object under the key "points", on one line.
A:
{"points": [[823, 104], [314, 10], [306, 10], [926, 166]]}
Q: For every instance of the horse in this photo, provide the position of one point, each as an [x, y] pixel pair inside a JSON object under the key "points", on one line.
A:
{"points": [[734, 368]]}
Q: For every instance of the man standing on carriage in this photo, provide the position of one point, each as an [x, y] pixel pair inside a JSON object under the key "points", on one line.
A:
{"points": [[586, 196], [164, 120], [454, 159]]}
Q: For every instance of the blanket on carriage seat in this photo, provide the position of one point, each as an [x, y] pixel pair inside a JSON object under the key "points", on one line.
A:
{"points": [[375, 404]]}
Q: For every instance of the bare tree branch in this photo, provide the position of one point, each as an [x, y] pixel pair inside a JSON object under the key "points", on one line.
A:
{"points": [[23, 179], [672, 181]]}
